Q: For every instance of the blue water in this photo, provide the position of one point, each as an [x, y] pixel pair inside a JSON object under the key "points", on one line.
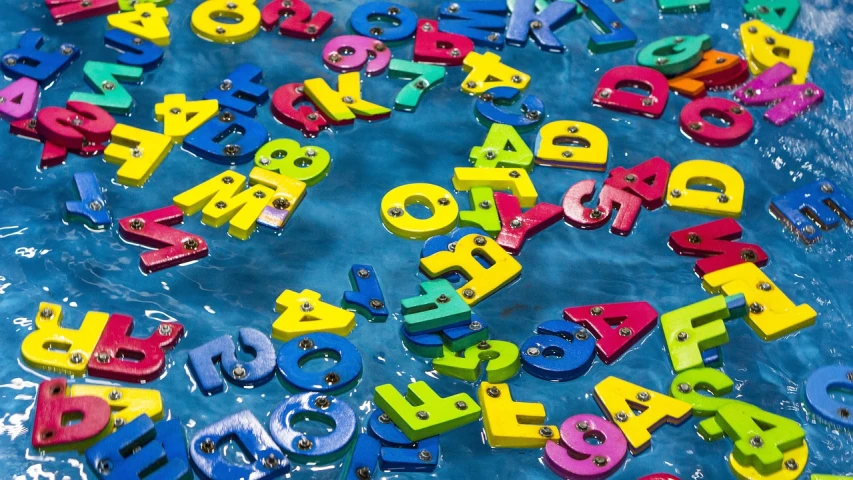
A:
{"points": [[43, 259]]}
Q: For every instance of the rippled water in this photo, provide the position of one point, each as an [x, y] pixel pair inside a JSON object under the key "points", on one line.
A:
{"points": [[43, 259]]}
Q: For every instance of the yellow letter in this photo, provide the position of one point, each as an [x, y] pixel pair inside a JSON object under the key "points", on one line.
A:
{"points": [[512, 424], [304, 312], [62, 350], [345, 103], [728, 203], [139, 152], [438, 200]]}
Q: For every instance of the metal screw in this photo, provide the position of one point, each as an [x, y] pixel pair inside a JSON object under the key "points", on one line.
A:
{"points": [[514, 174], [454, 52], [625, 332], [809, 92], [239, 372], [107, 85], [573, 129], [231, 150], [270, 462], [135, 152], [207, 446], [720, 60], [444, 201], [684, 387], [231, 6], [104, 467], [137, 41], [76, 357], [115, 395], [376, 304], [597, 310], [46, 312], [493, 392], [363, 473], [490, 154], [426, 27], [736, 110], [468, 293], [334, 57], [765, 286], [475, 326], [77, 121], [644, 396], [536, 25], [753, 30], [379, 47], [582, 426], [220, 30], [599, 460], [453, 8], [748, 254], [675, 193], [102, 357], [442, 298], [763, 9], [307, 307], [451, 246], [494, 37], [485, 205], [306, 343], [10, 61], [226, 117], [581, 335], [694, 238], [648, 101], [422, 415], [679, 39], [118, 422], [332, 378], [175, 111], [264, 161], [136, 223], [311, 29], [281, 203], [395, 211], [484, 345], [533, 351], [304, 444], [376, 31], [567, 154], [516, 79], [826, 188], [756, 441], [682, 336], [661, 61], [749, 92], [164, 329], [808, 229], [756, 307], [630, 178], [322, 402], [532, 115], [424, 456], [723, 198], [470, 84], [363, 273], [605, 93], [791, 464], [843, 412], [695, 126], [515, 223], [259, 194], [621, 417], [312, 116], [546, 432], [393, 10], [421, 84], [221, 205], [770, 40], [460, 405], [616, 25], [226, 85], [596, 213]]}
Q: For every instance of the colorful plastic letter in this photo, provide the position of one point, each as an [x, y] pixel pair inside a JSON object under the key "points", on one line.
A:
{"points": [[511, 424], [241, 91], [126, 404], [307, 447], [516, 180], [341, 376], [794, 461], [765, 47], [439, 201], [63, 350], [65, 11], [683, 6], [304, 118], [366, 296], [91, 209], [180, 117], [139, 152], [714, 242], [153, 229], [618, 398], [244, 16], [386, 21], [285, 156], [738, 122], [779, 14], [429, 345], [686, 385], [717, 69], [19, 99], [634, 319], [771, 313], [727, 203], [104, 78], [146, 21], [482, 216], [570, 144], [303, 313], [560, 351], [118, 356], [343, 105], [788, 100], [72, 127], [224, 198], [692, 329], [615, 34], [423, 77], [501, 358], [610, 198], [488, 108], [397, 453], [574, 457], [482, 21], [442, 48], [53, 154], [820, 203], [525, 20], [52, 406], [135, 51], [287, 195], [28, 61], [297, 21], [485, 71], [760, 438], [517, 226], [365, 455], [441, 243], [205, 141], [261, 369], [422, 413], [482, 281], [646, 180], [262, 457], [608, 93], [818, 386], [463, 336], [438, 307], [503, 148], [350, 53], [674, 55], [142, 449]]}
